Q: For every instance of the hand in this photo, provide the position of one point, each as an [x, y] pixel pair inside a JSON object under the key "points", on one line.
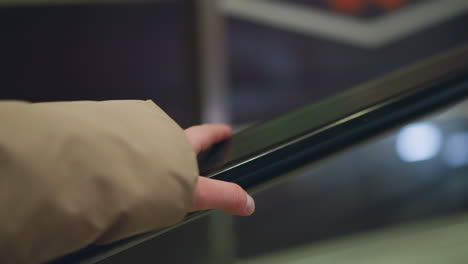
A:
{"points": [[216, 194]]}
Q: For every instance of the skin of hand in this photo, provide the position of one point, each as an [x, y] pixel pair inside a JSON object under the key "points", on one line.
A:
{"points": [[216, 194]]}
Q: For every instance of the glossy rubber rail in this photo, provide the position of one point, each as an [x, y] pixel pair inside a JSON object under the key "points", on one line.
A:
{"points": [[270, 149], [263, 153]]}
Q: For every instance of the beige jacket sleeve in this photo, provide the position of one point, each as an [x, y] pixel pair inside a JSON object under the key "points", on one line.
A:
{"points": [[77, 173]]}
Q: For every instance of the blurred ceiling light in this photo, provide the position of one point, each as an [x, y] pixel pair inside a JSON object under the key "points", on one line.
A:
{"points": [[456, 150], [418, 142]]}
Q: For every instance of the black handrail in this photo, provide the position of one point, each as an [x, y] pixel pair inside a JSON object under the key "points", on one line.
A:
{"points": [[262, 152]]}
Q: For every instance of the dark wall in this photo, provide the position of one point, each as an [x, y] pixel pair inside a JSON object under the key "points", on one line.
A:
{"points": [[289, 70], [99, 52]]}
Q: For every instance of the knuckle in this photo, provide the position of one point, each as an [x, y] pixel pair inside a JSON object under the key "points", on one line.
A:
{"points": [[238, 198]]}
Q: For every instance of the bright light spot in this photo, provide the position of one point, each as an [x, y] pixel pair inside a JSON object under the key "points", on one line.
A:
{"points": [[418, 142], [456, 150]]}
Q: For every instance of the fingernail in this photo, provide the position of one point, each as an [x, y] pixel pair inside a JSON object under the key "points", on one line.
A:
{"points": [[250, 205]]}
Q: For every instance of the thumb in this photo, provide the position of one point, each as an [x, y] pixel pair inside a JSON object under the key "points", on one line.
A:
{"points": [[216, 194]]}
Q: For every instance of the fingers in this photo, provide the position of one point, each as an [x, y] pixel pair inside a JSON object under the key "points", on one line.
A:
{"points": [[215, 194], [203, 136]]}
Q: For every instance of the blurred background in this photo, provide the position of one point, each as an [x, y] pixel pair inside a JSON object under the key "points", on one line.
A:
{"points": [[243, 61]]}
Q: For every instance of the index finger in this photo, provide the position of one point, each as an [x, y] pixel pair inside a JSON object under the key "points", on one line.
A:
{"points": [[203, 136]]}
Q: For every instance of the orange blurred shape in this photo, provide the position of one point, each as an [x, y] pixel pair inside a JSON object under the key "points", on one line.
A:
{"points": [[348, 6], [355, 7], [390, 4]]}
